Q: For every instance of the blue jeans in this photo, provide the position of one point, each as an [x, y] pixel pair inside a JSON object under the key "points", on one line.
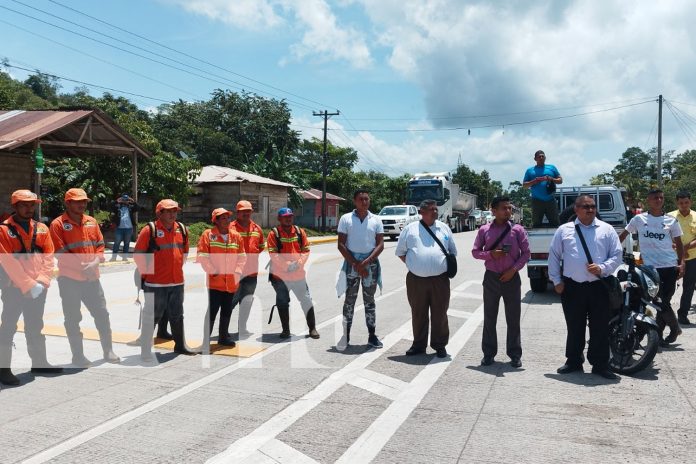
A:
{"points": [[122, 235]]}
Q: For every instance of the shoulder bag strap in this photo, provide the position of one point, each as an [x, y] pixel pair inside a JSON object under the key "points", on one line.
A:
{"points": [[500, 238], [584, 245], [437, 240]]}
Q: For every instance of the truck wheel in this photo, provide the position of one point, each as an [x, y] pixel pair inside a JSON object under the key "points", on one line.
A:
{"points": [[472, 224], [538, 285]]}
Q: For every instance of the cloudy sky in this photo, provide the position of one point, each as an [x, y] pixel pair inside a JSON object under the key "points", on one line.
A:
{"points": [[419, 84]]}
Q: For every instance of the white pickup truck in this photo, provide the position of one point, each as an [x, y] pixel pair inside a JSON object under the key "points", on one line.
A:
{"points": [[395, 217], [611, 209]]}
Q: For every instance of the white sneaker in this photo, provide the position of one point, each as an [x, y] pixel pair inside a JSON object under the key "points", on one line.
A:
{"points": [[342, 344]]}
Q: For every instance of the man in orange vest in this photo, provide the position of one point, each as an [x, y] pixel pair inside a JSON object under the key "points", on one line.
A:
{"points": [[221, 254], [252, 235], [79, 245], [289, 250], [160, 255], [26, 259]]}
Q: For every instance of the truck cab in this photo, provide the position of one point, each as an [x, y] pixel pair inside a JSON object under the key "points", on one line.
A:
{"points": [[610, 209]]}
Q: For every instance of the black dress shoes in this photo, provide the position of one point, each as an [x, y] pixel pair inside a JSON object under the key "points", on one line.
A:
{"points": [[441, 353], [568, 368], [604, 372], [516, 363], [487, 360], [48, 370], [414, 351]]}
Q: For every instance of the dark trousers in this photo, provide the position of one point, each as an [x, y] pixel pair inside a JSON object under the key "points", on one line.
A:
{"points": [[668, 285], [541, 208], [688, 286], [245, 297], [582, 301], [122, 236], [15, 304], [429, 300], [510, 292], [219, 301], [72, 294], [159, 300]]}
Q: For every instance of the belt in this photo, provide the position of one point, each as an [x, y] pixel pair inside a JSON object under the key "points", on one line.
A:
{"points": [[568, 280]]}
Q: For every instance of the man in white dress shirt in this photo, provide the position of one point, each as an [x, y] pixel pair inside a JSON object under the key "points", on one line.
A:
{"points": [[427, 284], [583, 295]]}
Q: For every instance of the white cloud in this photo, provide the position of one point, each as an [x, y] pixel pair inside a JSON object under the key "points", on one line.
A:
{"points": [[244, 14]]}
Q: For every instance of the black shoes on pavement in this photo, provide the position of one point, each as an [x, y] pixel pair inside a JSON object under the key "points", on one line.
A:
{"points": [[568, 368], [487, 360], [604, 372], [414, 351], [226, 340], [516, 362], [374, 342], [441, 353], [7, 377], [48, 370], [683, 320]]}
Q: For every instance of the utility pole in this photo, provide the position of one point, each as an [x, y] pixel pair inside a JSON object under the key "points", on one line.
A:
{"points": [[325, 114], [659, 142]]}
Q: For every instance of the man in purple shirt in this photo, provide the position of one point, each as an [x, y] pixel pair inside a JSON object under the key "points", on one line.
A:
{"points": [[505, 250]]}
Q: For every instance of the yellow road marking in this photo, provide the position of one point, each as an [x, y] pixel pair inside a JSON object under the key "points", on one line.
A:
{"points": [[240, 351]]}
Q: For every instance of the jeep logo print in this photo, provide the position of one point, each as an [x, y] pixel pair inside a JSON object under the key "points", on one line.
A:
{"points": [[649, 234]]}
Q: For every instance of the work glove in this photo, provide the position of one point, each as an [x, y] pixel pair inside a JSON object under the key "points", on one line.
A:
{"points": [[36, 291]]}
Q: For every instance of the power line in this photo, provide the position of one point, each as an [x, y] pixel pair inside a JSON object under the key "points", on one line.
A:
{"points": [[144, 76], [85, 83], [492, 115], [683, 125], [519, 123], [188, 55]]}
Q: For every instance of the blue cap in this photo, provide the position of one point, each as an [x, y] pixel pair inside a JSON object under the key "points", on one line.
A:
{"points": [[285, 212]]}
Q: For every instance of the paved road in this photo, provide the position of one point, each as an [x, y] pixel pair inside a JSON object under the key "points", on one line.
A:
{"points": [[301, 401]]}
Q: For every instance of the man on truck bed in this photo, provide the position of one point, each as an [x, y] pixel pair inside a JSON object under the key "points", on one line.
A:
{"points": [[541, 179]]}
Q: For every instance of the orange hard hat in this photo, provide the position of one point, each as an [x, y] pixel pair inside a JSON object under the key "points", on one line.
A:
{"points": [[167, 203], [218, 212], [76, 194], [23, 195], [244, 205]]}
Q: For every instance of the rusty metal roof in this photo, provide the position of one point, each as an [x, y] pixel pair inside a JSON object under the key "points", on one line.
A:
{"points": [[315, 194], [221, 174], [78, 132]]}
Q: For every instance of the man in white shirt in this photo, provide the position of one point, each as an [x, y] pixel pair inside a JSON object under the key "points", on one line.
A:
{"points": [[360, 241], [656, 234], [427, 284], [583, 295]]}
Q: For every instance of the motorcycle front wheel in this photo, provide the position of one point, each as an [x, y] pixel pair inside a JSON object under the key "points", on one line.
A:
{"points": [[634, 353]]}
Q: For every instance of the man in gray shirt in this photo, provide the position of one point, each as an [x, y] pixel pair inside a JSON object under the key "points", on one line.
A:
{"points": [[427, 284]]}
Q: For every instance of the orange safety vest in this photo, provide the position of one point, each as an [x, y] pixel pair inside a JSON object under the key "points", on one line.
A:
{"points": [[25, 269], [286, 249], [77, 244], [166, 269], [222, 259], [253, 245]]}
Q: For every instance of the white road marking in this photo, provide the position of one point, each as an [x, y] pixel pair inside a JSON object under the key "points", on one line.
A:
{"points": [[248, 446], [371, 442], [111, 424], [379, 384], [459, 313], [282, 453], [473, 296]]}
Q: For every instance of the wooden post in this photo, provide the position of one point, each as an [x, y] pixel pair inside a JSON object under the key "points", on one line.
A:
{"points": [[134, 187]]}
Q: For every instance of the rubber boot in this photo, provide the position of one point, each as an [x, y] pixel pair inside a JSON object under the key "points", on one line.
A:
{"points": [[179, 339], [224, 329], [7, 377], [244, 311], [311, 323], [162, 327], [78, 355], [284, 315], [107, 347]]}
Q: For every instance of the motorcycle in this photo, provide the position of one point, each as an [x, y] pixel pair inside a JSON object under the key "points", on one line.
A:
{"points": [[633, 332]]}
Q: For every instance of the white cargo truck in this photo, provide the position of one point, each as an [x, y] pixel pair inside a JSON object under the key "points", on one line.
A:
{"points": [[454, 206]]}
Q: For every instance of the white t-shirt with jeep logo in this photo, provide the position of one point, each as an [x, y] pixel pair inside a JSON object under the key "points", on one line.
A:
{"points": [[655, 234]]}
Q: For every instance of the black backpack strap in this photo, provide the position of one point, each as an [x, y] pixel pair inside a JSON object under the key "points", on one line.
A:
{"points": [[500, 238], [584, 245], [184, 232], [300, 243], [277, 237], [13, 229], [437, 240], [33, 239], [152, 244]]}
